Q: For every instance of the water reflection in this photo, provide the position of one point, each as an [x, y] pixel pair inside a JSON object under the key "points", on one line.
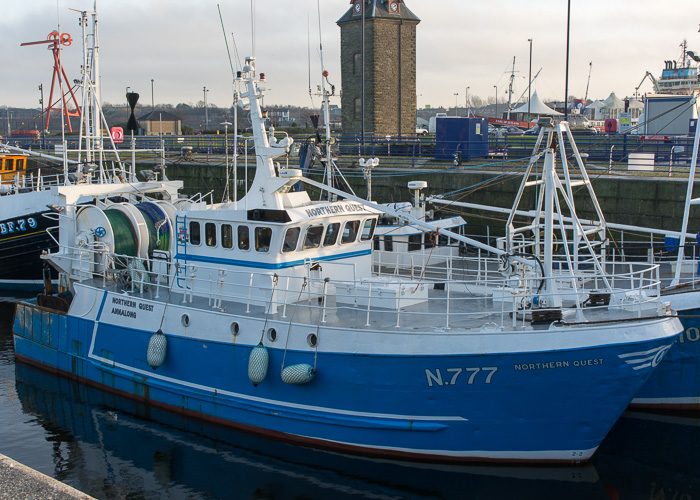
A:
{"points": [[655, 457], [111, 447]]}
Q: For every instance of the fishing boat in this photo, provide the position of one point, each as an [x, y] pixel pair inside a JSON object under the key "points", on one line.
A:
{"points": [[674, 384], [30, 202], [264, 314]]}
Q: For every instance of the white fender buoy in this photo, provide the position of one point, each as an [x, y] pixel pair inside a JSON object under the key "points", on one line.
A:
{"points": [[157, 348], [301, 373], [257, 364]]}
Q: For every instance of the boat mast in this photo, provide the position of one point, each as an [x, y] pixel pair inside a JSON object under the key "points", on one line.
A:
{"points": [[510, 87]]}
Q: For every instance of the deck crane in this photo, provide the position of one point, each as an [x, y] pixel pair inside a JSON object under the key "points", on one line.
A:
{"points": [[653, 82]]}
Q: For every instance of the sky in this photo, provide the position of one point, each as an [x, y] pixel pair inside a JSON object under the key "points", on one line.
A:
{"points": [[180, 45]]}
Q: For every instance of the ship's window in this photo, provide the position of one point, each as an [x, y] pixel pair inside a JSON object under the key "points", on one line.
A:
{"points": [[263, 235], [414, 242], [368, 229], [350, 231], [20, 164], [388, 243], [195, 237], [9, 164], [226, 236], [313, 237], [331, 234], [243, 238], [377, 244], [210, 234], [291, 238]]}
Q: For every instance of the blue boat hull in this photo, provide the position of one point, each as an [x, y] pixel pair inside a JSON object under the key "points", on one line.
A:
{"points": [[545, 406], [675, 383]]}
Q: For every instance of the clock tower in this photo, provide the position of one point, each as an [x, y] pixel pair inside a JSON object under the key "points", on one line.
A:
{"points": [[389, 105]]}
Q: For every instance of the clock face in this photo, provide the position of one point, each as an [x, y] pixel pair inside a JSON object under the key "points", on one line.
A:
{"points": [[358, 7], [394, 6]]}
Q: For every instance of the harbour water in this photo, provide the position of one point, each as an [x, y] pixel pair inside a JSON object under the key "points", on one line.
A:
{"points": [[109, 447]]}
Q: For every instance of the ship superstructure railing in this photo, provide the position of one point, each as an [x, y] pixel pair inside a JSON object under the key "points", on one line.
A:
{"points": [[472, 300]]}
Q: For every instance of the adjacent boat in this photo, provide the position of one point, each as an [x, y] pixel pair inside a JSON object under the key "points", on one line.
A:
{"points": [[23, 229], [675, 385], [264, 314]]}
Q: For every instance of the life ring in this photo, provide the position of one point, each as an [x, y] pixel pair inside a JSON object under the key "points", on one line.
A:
{"points": [[65, 39]]}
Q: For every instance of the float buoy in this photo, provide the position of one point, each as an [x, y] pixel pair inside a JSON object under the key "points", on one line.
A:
{"points": [[257, 364], [301, 373], [157, 348]]}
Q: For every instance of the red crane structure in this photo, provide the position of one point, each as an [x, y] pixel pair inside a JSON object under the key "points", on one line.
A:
{"points": [[55, 40]]}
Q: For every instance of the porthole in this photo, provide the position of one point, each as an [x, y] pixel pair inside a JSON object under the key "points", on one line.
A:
{"points": [[185, 320], [235, 328], [312, 339], [272, 334]]}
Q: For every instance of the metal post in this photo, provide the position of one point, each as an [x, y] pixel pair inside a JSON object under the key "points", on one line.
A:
{"points": [[496, 87], [529, 83], [566, 86], [153, 102]]}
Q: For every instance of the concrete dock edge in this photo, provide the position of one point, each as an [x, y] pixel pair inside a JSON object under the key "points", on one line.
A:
{"points": [[19, 481]]}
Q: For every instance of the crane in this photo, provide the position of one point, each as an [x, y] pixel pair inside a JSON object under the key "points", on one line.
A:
{"points": [[653, 82], [54, 41]]}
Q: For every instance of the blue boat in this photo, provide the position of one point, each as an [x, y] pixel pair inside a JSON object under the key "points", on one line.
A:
{"points": [[266, 314], [675, 385]]}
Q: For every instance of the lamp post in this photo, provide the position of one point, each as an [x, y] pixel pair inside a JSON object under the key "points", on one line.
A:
{"points": [[206, 111], [456, 94], [226, 124], [466, 100], [529, 82], [153, 102], [496, 88]]}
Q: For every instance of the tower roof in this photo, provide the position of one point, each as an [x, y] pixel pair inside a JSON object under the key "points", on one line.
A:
{"points": [[378, 9]]}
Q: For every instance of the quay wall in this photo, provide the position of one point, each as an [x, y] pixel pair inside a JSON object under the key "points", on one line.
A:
{"points": [[655, 202]]}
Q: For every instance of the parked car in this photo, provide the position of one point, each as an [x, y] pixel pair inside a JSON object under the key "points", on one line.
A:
{"points": [[421, 131], [512, 130]]}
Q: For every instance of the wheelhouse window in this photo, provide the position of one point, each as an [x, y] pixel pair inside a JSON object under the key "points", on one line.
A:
{"points": [[331, 236], [243, 238], [195, 235], [350, 232], [377, 243], [291, 238], [313, 237], [388, 243], [226, 236], [414, 242], [368, 229], [210, 234], [263, 235]]}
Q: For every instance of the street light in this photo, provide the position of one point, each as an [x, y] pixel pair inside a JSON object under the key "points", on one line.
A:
{"points": [[529, 81], [153, 102], [466, 99], [226, 124], [496, 88], [456, 94], [206, 111]]}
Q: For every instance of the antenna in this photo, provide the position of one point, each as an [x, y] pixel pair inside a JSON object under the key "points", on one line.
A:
{"points": [[233, 73], [252, 23], [590, 67]]}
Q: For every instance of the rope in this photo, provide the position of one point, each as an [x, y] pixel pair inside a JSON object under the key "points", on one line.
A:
{"points": [[275, 279], [437, 235], [289, 328]]}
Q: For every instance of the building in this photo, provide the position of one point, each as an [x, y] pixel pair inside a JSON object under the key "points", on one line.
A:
{"points": [[389, 68], [160, 123]]}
